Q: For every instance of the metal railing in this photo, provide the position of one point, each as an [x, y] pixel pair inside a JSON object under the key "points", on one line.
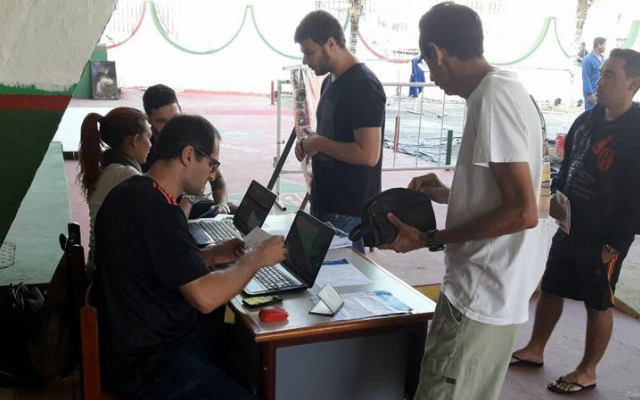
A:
{"points": [[445, 144]]}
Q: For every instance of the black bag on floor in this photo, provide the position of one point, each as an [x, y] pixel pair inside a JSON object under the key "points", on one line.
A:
{"points": [[20, 310], [411, 206]]}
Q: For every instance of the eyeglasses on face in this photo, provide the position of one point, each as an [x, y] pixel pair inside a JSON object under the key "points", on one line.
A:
{"points": [[213, 163]]}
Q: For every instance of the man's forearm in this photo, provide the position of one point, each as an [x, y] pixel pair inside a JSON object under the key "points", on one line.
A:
{"points": [[501, 221], [350, 153], [221, 196], [219, 287], [219, 189]]}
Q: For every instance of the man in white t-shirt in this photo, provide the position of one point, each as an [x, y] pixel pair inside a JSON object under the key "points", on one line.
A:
{"points": [[492, 248]]}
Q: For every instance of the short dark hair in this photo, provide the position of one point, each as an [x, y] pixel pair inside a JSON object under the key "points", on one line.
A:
{"points": [[598, 41], [319, 26], [186, 130], [632, 58], [157, 96], [453, 27]]}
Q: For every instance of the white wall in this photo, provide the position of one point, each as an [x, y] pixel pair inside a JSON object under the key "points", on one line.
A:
{"points": [[47, 43]]}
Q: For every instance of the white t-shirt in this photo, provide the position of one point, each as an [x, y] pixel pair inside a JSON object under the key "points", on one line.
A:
{"points": [[491, 281], [111, 176]]}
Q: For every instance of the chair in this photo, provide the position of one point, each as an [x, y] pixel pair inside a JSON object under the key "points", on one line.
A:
{"points": [[90, 351], [91, 384]]}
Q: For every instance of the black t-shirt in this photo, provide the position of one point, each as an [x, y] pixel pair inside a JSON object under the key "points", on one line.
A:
{"points": [[355, 100], [144, 253]]}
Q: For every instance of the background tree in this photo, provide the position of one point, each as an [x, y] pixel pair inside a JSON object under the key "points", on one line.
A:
{"points": [[581, 16], [354, 21]]}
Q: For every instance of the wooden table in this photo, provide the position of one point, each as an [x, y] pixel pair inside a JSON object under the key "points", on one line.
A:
{"points": [[312, 357]]}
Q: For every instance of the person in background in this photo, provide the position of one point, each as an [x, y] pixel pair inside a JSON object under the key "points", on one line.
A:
{"points": [[126, 135], [591, 72], [582, 53]]}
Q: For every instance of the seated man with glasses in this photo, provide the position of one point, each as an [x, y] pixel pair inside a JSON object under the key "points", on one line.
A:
{"points": [[153, 282], [200, 205]]}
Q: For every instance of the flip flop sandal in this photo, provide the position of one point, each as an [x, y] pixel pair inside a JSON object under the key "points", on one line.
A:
{"points": [[553, 386], [524, 363]]}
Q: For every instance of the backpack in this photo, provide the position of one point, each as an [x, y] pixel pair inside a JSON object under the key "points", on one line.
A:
{"points": [[411, 206], [55, 348], [40, 335]]}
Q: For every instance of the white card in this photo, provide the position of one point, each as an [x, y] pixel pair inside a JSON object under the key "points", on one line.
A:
{"points": [[255, 238], [330, 302]]}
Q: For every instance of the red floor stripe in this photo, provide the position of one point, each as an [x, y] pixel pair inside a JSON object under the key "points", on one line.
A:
{"points": [[21, 102]]}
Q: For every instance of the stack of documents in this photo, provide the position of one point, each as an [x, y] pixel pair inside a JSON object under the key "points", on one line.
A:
{"points": [[368, 304]]}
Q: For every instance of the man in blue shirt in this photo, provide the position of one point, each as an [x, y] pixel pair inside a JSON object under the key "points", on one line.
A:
{"points": [[591, 71]]}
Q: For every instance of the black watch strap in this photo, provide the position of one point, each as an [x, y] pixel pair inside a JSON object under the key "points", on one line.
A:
{"points": [[431, 241]]}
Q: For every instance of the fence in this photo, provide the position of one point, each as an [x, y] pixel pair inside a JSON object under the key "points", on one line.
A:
{"points": [[444, 148]]}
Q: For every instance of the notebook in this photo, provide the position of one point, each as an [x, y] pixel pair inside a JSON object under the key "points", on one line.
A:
{"points": [[307, 244], [252, 212]]}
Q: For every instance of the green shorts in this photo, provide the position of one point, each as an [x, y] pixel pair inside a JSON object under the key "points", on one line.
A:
{"points": [[464, 359]]}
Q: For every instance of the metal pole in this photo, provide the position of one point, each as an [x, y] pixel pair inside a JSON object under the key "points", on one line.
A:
{"points": [[444, 100], [419, 126], [278, 133], [398, 116], [273, 95], [449, 146]]}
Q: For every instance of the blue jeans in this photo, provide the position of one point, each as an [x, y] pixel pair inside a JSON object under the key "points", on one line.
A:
{"points": [[184, 373], [343, 222]]}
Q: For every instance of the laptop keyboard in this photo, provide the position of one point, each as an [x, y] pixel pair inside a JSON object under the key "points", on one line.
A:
{"points": [[220, 231], [273, 278]]}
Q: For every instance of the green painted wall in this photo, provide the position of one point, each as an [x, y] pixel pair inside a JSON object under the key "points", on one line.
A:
{"points": [[24, 140], [43, 215], [83, 88]]}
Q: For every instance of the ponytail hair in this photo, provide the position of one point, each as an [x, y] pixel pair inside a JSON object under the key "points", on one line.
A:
{"points": [[108, 132]]}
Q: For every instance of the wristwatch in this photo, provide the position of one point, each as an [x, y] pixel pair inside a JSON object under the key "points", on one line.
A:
{"points": [[190, 197], [431, 241], [610, 249]]}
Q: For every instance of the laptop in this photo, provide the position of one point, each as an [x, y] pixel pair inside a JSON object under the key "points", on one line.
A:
{"points": [[252, 212], [307, 243]]}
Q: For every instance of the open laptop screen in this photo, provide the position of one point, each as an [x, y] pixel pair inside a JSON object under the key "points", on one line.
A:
{"points": [[307, 242], [254, 208]]}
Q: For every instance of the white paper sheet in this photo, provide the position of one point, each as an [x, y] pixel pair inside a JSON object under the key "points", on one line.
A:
{"points": [[363, 305], [255, 238], [563, 200], [340, 273]]}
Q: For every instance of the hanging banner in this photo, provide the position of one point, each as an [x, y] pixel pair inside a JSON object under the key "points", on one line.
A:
{"points": [[306, 95]]}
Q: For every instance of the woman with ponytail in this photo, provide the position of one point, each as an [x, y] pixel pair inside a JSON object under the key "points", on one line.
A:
{"points": [[112, 148]]}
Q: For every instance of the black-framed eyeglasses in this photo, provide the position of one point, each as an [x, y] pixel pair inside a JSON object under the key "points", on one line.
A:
{"points": [[213, 163]]}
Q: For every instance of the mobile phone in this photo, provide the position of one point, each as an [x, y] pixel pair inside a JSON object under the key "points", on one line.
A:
{"points": [[259, 301]]}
